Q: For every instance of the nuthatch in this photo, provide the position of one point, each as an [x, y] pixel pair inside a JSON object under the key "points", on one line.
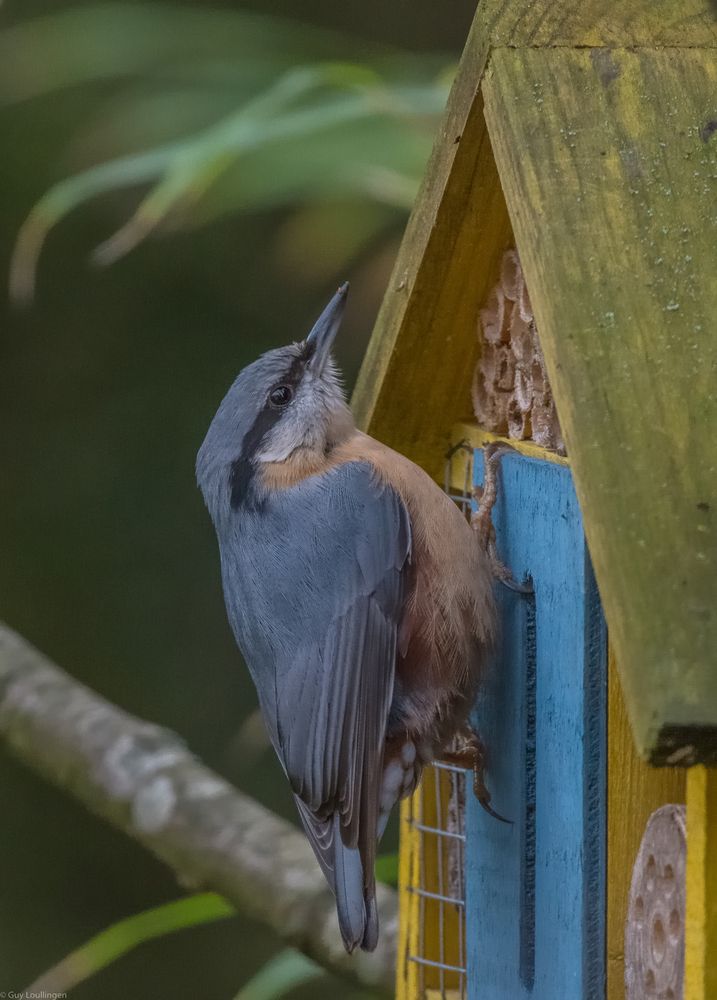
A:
{"points": [[358, 595]]}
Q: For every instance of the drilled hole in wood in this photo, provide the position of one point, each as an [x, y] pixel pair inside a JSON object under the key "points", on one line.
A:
{"points": [[650, 873], [654, 929], [511, 392], [659, 941]]}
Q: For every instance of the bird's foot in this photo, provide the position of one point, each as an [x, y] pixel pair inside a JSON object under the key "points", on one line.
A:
{"points": [[482, 523], [470, 754]]}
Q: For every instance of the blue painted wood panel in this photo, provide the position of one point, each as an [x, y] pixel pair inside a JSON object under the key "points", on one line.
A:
{"points": [[535, 890]]}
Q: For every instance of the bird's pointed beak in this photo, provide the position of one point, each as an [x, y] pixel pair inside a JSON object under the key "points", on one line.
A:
{"points": [[325, 329]]}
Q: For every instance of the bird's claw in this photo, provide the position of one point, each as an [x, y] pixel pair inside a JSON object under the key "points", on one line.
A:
{"points": [[481, 521], [510, 583], [471, 755], [483, 795], [496, 815]]}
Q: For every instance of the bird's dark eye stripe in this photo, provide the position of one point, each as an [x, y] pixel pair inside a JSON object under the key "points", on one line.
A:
{"points": [[242, 469], [298, 366], [292, 377]]}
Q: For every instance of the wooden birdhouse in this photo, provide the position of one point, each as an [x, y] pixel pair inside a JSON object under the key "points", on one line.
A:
{"points": [[557, 287]]}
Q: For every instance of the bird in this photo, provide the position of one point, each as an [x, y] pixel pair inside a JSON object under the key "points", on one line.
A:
{"points": [[359, 597]]}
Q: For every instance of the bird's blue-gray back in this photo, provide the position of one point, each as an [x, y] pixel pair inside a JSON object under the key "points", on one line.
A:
{"points": [[313, 580], [314, 585]]}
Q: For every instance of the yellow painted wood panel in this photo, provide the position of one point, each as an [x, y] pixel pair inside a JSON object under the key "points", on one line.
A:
{"points": [[546, 23], [408, 905], [701, 926], [415, 380], [634, 791], [609, 164], [476, 437]]}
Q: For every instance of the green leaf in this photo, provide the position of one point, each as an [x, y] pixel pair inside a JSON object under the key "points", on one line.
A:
{"points": [[296, 133], [68, 194], [283, 973], [110, 944], [309, 108]]}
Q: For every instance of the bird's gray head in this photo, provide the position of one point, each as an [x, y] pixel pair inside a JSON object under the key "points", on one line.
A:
{"points": [[287, 402]]}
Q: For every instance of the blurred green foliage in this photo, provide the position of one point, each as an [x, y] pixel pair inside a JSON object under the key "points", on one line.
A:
{"points": [[280, 976], [211, 114], [277, 977], [117, 940]]}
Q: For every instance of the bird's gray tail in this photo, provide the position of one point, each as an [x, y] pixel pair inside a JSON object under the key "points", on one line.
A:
{"points": [[355, 901]]}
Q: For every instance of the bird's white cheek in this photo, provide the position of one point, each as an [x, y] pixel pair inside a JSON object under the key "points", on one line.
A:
{"points": [[277, 449], [290, 433]]}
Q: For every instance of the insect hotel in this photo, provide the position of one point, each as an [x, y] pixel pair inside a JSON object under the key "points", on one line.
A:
{"points": [[557, 287]]}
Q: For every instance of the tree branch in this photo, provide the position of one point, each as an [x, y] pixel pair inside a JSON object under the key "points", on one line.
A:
{"points": [[143, 780]]}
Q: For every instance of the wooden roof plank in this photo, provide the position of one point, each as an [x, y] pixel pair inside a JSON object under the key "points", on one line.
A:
{"points": [[609, 164], [549, 23]]}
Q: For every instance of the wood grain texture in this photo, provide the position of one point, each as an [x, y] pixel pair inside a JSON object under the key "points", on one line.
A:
{"points": [[535, 890], [701, 925], [634, 791], [609, 163], [416, 376], [549, 23]]}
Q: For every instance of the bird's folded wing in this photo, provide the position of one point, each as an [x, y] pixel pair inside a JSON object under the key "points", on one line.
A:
{"points": [[333, 708], [336, 608]]}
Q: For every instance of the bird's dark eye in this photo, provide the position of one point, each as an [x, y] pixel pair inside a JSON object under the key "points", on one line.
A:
{"points": [[281, 395]]}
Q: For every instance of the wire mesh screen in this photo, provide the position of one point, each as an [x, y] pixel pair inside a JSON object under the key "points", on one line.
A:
{"points": [[436, 816], [433, 848]]}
